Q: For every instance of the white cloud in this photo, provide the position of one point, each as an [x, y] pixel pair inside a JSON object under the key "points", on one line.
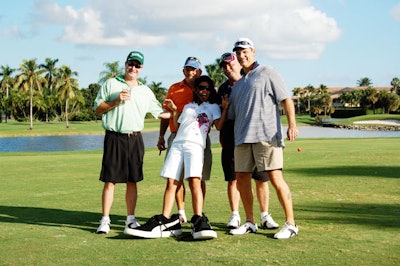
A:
{"points": [[283, 29], [395, 12]]}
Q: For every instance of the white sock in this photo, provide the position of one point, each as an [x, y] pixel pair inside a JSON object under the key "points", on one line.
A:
{"points": [[182, 212], [130, 218], [263, 214], [235, 213], [105, 218]]}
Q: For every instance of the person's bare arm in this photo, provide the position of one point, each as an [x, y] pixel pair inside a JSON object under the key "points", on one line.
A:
{"points": [[292, 131], [107, 106], [219, 123]]}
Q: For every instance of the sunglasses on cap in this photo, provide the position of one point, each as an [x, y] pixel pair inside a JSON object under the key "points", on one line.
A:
{"points": [[190, 58], [202, 87], [134, 64], [242, 43]]}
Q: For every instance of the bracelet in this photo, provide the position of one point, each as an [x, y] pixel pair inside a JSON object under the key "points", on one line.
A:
{"points": [[161, 137]]}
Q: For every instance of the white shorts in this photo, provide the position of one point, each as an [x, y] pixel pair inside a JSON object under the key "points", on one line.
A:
{"points": [[183, 154]]}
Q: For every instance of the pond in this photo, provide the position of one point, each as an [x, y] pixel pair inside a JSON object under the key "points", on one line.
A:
{"points": [[95, 142]]}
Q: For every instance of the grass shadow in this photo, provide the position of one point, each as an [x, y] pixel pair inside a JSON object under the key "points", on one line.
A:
{"points": [[367, 214], [361, 170], [87, 221]]}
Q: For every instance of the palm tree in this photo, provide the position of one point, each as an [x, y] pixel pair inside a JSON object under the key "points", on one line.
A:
{"points": [[372, 95], [364, 82], [48, 98], [216, 73], [112, 70], [309, 94], [297, 93], [396, 85], [50, 67], [30, 79], [159, 91], [68, 87], [5, 86]]}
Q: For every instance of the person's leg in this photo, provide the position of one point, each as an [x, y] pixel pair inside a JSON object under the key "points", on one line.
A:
{"points": [[262, 191], [233, 196], [107, 198], [246, 194], [284, 194], [207, 165], [197, 195], [131, 197], [180, 195], [180, 190], [169, 195]]}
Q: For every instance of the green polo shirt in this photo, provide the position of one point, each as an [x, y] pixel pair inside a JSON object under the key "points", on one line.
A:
{"points": [[128, 116]]}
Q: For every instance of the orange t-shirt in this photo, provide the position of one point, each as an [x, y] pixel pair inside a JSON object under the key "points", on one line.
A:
{"points": [[181, 94]]}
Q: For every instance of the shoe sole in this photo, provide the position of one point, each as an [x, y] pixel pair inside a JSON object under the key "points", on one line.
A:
{"points": [[152, 234], [239, 233], [205, 234], [269, 228]]}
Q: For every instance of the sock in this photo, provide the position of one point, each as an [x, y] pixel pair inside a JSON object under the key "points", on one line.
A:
{"points": [[235, 212], [105, 218], [181, 212], [263, 214], [130, 218]]}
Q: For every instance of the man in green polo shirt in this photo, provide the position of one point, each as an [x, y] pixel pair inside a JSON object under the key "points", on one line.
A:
{"points": [[123, 102]]}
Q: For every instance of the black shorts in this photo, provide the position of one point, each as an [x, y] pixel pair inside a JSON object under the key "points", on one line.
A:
{"points": [[228, 163], [122, 158]]}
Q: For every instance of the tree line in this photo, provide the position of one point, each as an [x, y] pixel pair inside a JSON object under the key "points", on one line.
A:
{"points": [[46, 92], [318, 101]]}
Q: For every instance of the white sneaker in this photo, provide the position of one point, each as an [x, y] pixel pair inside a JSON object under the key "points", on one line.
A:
{"points": [[268, 223], [287, 231], [104, 226], [245, 228], [234, 221], [132, 224]]}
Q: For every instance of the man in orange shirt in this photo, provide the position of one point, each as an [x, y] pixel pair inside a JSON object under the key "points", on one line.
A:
{"points": [[181, 93]]}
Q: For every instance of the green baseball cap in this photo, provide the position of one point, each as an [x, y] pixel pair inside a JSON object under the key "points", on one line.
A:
{"points": [[135, 55]]}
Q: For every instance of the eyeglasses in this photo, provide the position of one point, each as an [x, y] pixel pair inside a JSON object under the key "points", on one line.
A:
{"points": [[243, 43], [202, 87], [228, 57], [190, 58], [134, 64]]}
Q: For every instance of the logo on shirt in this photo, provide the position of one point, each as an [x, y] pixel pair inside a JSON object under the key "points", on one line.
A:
{"points": [[202, 119]]}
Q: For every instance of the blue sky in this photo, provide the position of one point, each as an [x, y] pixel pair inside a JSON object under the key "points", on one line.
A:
{"points": [[331, 42]]}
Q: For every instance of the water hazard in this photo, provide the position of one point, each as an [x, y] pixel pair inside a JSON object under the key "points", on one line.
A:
{"points": [[95, 142]]}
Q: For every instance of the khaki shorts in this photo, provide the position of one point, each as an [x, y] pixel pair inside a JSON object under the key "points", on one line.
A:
{"points": [[207, 157], [263, 155]]}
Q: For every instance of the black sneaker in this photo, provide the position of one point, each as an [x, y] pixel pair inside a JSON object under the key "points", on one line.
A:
{"points": [[201, 228], [156, 227]]}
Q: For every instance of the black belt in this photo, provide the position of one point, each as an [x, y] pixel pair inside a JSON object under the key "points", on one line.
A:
{"points": [[133, 133]]}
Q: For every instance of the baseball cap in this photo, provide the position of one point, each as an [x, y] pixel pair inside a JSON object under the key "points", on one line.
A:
{"points": [[243, 43], [135, 55], [226, 58], [192, 61]]}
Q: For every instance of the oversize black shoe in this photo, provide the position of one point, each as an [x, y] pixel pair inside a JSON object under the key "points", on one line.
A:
{"points": [[157, 226]]}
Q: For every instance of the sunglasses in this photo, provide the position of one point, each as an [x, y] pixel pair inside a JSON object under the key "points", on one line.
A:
{"points": [[134, 64], [190, 58], [242, 43], [202, 87]]}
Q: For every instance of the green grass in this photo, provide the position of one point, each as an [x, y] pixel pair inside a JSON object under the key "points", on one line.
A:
{"points": [[14, 128], [346, 201]]}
